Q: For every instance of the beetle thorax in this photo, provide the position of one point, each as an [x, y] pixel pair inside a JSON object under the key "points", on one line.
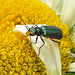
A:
{"points": [[38, 31]]}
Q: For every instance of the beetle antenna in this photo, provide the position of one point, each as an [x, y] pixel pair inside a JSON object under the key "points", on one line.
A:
{"points": [[42, 45], [24, 23]]}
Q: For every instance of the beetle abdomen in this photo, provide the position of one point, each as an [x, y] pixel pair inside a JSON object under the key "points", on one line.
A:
{"points": [[52, 31]]}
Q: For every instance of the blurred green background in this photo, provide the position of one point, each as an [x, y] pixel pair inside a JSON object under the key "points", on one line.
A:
{"points": [[70, 73]]}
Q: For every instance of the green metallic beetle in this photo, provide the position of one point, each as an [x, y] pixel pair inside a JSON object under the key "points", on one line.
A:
{"points": [[46, 31], [51, 32]]}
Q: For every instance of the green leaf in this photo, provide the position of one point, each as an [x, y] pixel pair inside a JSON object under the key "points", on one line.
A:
{"points": [[70, 74]]}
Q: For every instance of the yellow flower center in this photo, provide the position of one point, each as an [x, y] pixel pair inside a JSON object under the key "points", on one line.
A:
{"points": [[16, 53]]}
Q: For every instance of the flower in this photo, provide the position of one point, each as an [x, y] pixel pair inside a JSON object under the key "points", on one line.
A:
{"points": [[15, 49]]}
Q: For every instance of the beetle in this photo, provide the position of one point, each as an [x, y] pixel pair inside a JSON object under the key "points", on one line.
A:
{"points": [[51, 32]]}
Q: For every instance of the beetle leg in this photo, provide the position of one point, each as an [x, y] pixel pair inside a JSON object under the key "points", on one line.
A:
{"points": [[55, 41], [36, 40], [42, 45]]}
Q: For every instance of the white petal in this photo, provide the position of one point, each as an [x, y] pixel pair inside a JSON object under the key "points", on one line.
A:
{"points": [[20, 28], [54, 4], [64, 8], [72, 67], [49, 54], [68, 13], [73, 37], [71, 70]]}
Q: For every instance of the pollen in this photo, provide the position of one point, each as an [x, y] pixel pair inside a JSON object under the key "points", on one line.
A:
{"points": [[17, 56]]}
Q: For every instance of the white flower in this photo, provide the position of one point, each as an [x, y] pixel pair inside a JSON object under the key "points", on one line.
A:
{"points": [[49, 53]]}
